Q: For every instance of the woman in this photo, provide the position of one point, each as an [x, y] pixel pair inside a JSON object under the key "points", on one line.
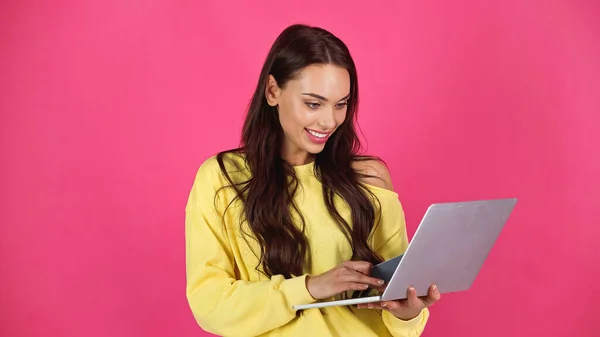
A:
{"points": [[295, 215]]}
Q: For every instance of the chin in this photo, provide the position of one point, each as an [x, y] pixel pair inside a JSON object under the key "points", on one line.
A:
{"points": [[314, 149]]}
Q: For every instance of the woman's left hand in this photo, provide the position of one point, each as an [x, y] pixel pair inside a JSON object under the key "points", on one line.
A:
{"points": [[408, 308]]}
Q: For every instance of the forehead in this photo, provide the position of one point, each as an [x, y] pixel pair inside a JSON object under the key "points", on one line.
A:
{"points": [[330, 81]]}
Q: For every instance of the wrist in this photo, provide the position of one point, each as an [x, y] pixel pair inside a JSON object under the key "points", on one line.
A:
{"points": [[307, 280], [394, 323], [407, 316]]}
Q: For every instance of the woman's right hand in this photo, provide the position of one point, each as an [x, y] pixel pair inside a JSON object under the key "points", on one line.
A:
{"points": [[350, 275]]}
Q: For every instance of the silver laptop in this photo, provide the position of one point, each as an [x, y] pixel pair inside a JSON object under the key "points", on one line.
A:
{"points": [[448, 249]]}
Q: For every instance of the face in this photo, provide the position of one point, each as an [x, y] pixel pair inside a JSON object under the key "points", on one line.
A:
{"points": [[311, 108]]}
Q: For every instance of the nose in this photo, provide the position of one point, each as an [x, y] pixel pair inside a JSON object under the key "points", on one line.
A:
{"points": [[327, 121]]}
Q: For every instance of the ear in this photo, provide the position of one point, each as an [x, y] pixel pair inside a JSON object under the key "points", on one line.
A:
{"points": [[272, 91]]}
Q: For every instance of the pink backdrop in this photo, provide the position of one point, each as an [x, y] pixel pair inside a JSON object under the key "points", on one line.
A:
{"points": [[109, 107]]}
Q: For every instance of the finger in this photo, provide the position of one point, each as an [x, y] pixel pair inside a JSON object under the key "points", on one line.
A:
{"points": [[391, 305], [433, 296], [354, 286], [357, 277], [380, 288], [412, 299], [374, 305], [362, 267], [349, 275]]}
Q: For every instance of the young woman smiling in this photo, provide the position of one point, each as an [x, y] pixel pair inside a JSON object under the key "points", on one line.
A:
{"points": [[296, 214]]}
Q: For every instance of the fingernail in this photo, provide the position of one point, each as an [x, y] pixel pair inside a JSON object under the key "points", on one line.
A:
{"points": [[370, 306], [435, 289], [384, 304], [380, 281], [366, 286]]}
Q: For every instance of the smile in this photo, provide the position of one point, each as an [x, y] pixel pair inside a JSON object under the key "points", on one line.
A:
{"points": [[317, 134], [317, 137]]}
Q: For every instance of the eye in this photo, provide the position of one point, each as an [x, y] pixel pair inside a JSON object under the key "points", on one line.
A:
{"points": [[313, 105], [341, 105]]}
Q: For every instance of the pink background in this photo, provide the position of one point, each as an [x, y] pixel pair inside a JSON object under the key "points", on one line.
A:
{"points": [[109, 107]]}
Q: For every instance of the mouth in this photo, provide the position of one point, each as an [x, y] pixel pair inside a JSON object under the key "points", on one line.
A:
{"points": [[316, 136]]}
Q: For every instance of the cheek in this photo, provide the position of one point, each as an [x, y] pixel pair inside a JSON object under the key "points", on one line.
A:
{"points": [[340, 117], [292, 117]]}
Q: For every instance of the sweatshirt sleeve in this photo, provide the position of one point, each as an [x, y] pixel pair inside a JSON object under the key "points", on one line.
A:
{"points": [[394, 242], [220, 303]]}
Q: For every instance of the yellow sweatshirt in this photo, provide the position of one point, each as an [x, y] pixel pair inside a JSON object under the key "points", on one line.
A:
{"points": [[228, 297]]}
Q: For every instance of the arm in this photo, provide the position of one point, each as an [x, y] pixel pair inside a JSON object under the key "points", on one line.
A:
{"points": [[220, 303], [391, 240], [393, 247]]}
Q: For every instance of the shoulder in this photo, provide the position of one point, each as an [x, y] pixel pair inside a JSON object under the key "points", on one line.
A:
{"points": [[373, 171], [214, 170]]}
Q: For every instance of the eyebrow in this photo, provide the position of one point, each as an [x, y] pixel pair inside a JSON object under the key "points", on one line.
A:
{"points": [[321, 97]]}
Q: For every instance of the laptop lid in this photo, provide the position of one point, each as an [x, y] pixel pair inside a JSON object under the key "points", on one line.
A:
{"points": [[449, 247]]}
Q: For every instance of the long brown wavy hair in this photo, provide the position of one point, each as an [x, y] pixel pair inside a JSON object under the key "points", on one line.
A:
{"points": [[269, 193]]}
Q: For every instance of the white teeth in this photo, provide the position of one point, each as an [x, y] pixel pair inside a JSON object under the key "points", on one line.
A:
{"points": [[316, 134]]}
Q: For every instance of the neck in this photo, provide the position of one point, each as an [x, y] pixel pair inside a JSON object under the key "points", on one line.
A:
{"points": [[298, 157]]}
